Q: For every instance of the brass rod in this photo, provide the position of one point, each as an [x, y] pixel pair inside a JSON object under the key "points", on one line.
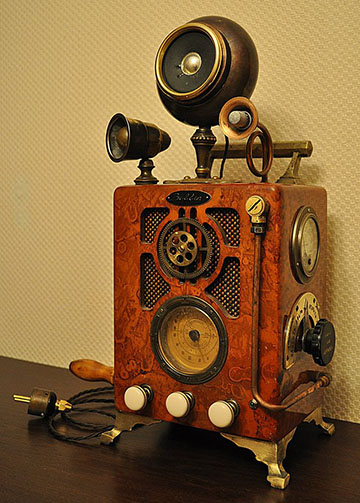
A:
{"points": [[237, 149]]}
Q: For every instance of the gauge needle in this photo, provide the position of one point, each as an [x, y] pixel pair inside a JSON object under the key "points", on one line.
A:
{"points": [[195, 337], [202, 356]]}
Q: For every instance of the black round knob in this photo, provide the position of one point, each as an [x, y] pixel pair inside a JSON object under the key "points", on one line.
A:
{"points": [[320, 342]]}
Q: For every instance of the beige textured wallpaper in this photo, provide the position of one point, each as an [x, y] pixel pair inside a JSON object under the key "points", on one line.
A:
{"points": [[67, 67]]}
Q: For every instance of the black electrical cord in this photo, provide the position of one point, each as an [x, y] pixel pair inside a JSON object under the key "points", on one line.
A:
{"points": [[224, 157], [78, 401]]}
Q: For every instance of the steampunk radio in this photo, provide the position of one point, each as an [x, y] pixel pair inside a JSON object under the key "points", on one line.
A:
{"points": [[219, 286]]}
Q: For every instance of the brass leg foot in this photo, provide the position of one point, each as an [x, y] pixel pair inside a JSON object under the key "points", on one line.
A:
{"points": [[317, 417], [125, 422], [270, 453]]}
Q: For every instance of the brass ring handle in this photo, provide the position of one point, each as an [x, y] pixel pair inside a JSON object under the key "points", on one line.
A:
{"points": [[267, 150]]}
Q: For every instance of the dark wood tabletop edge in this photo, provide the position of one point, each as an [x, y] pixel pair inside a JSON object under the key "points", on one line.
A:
{"points": [[8, 360], [147, 464]]}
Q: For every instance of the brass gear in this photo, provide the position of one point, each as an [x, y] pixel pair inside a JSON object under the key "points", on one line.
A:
{"points": [[168, 265]]}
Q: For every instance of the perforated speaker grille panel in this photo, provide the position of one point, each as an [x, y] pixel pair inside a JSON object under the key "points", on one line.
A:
{"points": [[228, 221], [153, 286], [225, 290], [150, 221]]}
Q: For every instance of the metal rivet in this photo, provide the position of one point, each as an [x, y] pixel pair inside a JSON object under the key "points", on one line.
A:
{"points": [[253, 404]]}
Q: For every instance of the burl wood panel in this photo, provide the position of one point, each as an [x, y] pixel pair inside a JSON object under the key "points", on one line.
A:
{"points": [[134, 359]]}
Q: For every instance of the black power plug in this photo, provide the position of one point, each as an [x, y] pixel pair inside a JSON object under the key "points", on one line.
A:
{"points": [[43, 402]]}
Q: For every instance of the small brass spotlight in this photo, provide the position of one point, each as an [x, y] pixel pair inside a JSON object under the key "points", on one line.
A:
{"points": [[132, 139]]}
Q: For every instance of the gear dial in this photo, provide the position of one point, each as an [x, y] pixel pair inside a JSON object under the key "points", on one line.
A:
{"points": [[184, 249]]}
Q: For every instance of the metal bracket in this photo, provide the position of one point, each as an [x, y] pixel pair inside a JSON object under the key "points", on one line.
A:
{"points": [[270, 453], [317, 417], [273, 453], [290, 176], [125, 422]]}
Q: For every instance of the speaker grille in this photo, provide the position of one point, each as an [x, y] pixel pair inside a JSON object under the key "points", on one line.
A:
{"points": [[225, 290], [150, 221], [228, 221], [152, 285]]}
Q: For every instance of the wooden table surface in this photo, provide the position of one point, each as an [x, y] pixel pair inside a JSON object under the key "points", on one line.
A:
{"points": [[159, 463]]}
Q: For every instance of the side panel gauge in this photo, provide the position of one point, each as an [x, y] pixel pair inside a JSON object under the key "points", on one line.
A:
{"points": [[305, 244], [189, 340]]}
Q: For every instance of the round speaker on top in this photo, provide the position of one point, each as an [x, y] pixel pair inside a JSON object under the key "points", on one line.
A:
{"points": [[201, 65], [190, 61]]}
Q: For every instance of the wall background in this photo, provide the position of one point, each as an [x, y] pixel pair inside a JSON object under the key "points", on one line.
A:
{"points": [[67, 67]]}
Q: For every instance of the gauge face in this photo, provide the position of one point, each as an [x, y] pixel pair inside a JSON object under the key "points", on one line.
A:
{"points": [[305, 244], [189, 339], [309, 246]]}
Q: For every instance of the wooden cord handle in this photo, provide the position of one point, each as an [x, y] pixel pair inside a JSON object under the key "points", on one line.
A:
{"points": [[91, 370]]}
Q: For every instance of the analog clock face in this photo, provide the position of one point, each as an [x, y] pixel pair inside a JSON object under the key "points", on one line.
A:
{"points": [[189, 339], [305, 244]]}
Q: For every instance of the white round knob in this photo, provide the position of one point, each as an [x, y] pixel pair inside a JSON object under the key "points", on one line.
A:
{"points": [[135, 398], [221, 414], [178, 404]]}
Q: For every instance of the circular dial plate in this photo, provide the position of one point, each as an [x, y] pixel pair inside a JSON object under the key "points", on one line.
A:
{"points": [[306, 305], [305, 244], [189, 339]]}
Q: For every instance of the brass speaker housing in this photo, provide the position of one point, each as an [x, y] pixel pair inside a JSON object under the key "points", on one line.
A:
{"points": [[234, 71]]}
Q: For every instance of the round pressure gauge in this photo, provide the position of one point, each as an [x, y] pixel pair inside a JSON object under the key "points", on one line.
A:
{"points": [[189, 339], [305, 244]]}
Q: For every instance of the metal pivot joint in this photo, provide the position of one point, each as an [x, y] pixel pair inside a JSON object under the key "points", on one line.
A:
{"points": [[203, 140], [146, 177]]}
